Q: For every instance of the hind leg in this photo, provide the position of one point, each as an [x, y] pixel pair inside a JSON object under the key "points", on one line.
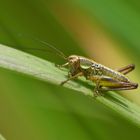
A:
{"points": [[126, 69], [108, 84]]}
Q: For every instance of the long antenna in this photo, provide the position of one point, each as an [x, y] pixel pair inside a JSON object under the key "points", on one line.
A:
{"points": [[57, 51]]}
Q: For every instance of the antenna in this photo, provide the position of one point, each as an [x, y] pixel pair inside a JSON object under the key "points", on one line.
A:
{"points": [[57, 51]]}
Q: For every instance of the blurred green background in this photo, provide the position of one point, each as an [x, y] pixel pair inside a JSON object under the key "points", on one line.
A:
{"points": [[107, 31]]}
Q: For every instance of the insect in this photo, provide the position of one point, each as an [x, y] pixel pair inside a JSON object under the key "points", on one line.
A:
{"points": [[106, 79]]}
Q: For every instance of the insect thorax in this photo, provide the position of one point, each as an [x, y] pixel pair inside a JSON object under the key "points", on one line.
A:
{"points": [[90, 67], [74, 64]]}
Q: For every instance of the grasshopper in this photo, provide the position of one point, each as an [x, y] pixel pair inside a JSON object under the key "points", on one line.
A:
{"points": [[106, 79]]}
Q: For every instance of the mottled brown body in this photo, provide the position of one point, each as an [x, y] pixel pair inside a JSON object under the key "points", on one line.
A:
{"points": [[105, 78]]}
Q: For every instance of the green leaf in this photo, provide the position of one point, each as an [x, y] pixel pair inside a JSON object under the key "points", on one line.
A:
{"points": [[16, 60], [2, 138], [33, 109]]}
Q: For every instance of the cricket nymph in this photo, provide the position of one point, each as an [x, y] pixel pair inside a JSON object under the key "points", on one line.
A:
{"points": [[105, 78]]}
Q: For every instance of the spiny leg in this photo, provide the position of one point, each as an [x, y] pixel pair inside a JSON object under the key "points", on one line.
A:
{"points": [[72, 77], [126, 69]]}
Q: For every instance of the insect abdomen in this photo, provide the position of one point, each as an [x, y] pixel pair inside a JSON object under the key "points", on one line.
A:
{"points": [[114, 74]]}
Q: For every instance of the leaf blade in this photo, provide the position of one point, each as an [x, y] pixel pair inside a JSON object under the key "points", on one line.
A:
{"points": [[16, 60]]}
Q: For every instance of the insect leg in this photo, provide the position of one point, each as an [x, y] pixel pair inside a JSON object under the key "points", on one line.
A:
{"points": [[97, 80], [72, 77], [126, 69], [63, 65], [118, 89], [107, 83]]}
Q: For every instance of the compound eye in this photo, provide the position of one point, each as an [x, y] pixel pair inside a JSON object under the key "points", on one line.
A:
{"points": [[71, 58]]}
